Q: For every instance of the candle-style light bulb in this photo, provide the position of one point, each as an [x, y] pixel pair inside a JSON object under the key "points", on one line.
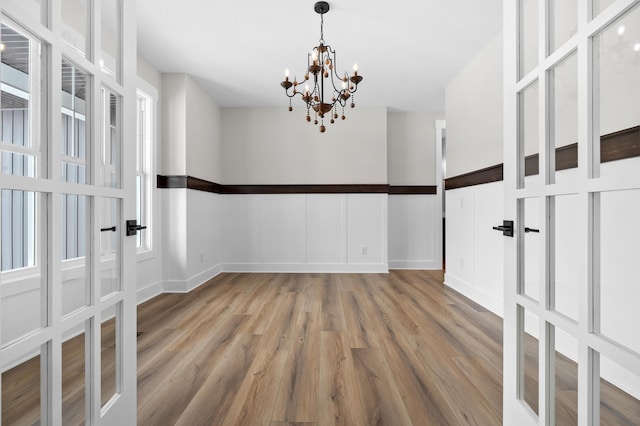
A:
{"points": [[306, 88], [344, 85], [355, 69], [286, 74]]}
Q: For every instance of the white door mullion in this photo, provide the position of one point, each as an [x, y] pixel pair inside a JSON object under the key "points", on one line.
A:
{"points": [[588, 167], [546, 165], [511, 173], [54, 168], [94, 143]]}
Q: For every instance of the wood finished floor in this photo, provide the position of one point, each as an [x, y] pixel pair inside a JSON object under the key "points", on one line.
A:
{"points": [[361, 349], [312, 349]]}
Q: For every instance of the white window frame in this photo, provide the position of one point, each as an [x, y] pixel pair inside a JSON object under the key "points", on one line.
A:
{"points": [[146, 168], [34, 149]]}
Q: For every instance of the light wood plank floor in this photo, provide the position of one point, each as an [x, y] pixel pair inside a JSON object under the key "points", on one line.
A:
{"points": [[313, 349]]}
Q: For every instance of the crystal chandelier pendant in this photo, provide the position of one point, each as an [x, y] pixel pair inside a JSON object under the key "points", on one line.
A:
{"points": [[324, 90]]}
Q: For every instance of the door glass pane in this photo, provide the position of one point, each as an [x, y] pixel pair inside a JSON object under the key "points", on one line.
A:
{"points": [[619, 394], [566, 265], [617, 63], [109, 246], [108, 358], [20, 101], [24, 264], [563, 22], [600, 5], [75, 149], [529, 134], [528, 48], [35, 9], [75, 19], [75, 264], [531, 247], [110, 139], [564, 80], [529, 365], [74, 378], [619, 267], [21, 393], [566, 378], [110, 36]]}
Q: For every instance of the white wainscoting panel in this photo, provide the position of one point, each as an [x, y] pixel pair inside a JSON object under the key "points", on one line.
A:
{"points": [[366, 229], [327, 228], [284, 228], [305, 232], [242, 229], [413, 226], [204, 237], [474, 261]]}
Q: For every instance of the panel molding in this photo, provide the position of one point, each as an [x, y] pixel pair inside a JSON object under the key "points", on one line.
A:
{"points": [[613, 146]]}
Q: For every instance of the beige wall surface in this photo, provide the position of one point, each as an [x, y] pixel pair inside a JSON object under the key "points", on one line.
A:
{"points": [[148, 73], [204, 146], [174, 125], [275, 146], [474, 113], [411, 147], [191, 130]]}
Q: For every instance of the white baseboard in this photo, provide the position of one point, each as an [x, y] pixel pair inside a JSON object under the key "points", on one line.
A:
{"points": [[415, 264], [483, 298], [185, 286], [201, 278], [149, 292], [306, 267]]}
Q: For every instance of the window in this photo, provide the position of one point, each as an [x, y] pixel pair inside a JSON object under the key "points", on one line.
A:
{"points": [[19, 143], [143, 168], [74, 159]]}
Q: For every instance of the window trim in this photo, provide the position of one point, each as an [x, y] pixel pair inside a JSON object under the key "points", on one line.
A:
{"points": [[151, 213]]}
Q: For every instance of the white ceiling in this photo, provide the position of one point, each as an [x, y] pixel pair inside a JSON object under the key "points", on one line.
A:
{"points": [[407, 50]]}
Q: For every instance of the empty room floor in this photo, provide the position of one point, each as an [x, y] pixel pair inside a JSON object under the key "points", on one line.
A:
{"points": [[312, 349]]}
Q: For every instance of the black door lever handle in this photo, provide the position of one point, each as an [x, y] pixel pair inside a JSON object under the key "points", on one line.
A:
{"points": [[133, 227], [506, 228], [527, 229]]}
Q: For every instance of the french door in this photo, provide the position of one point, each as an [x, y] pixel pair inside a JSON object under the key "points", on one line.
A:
{"points": [[67, 285], [572, 104]]}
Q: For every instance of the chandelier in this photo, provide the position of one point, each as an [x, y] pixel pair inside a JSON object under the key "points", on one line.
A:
{"points": [[324, 90]]}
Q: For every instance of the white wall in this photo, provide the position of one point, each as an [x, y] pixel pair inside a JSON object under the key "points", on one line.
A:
{"points": [[413, 228], [474, 113], [204, 236], [203, 133], [174, 125], [275, 146], [411, 149], [305, 232], [474, 252], [149, 74]]}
